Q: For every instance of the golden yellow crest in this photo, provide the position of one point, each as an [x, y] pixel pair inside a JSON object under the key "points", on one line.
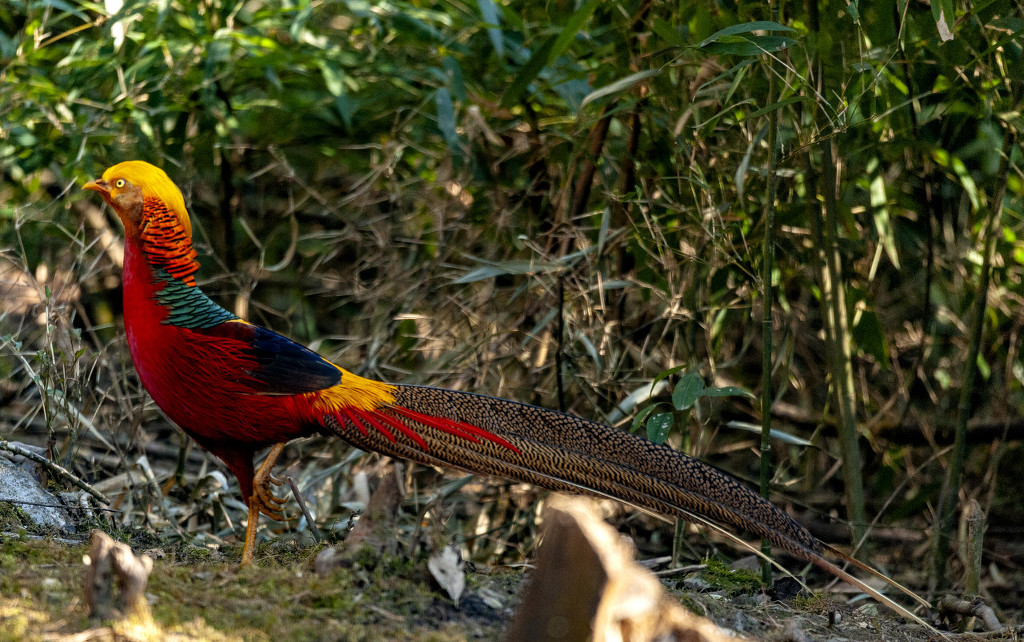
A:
{"points": [[154, 182]]}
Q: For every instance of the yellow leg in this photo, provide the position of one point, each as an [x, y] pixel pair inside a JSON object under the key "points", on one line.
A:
{"points": [[262, 501]]}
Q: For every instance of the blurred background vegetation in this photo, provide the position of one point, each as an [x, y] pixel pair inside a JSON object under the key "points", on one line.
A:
{"points": [[556, 203]]}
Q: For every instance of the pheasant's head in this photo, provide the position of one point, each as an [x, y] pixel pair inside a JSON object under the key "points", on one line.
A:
{"points": [[125, 187]]}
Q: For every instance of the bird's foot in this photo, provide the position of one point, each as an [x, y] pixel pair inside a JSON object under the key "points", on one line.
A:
{"points": [[262, 501]]}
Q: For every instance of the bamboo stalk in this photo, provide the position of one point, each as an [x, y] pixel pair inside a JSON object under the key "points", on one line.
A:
{"points": [[975, 546], [824, 222], [768, 297], [839, 353], [951, 487]]}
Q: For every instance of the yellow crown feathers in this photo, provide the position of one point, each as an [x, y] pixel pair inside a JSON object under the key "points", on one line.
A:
{"points": [[154, 182]]}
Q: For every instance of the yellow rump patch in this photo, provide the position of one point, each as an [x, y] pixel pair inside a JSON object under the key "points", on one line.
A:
{"points": [[354, 392]]}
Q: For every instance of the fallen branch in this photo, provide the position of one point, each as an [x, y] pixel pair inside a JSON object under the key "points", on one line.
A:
{"points": [[974, 608], [54, 468]]}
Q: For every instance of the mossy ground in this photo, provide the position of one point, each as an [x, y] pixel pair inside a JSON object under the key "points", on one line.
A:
{"points": [[198, 594]]}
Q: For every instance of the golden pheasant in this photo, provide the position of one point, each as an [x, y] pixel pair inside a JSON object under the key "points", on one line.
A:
{"points": [[236, 388]]}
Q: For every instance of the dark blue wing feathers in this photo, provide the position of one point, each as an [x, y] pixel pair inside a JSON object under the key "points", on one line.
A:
{"points": [[279, 365], [287, 367]]}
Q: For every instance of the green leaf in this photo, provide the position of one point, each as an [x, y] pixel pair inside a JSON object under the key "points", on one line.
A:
{"points": [[642, 416], [346, 109], [491, 270], [667, 32], [664, 374], [870, 336], [456, 84], [334, 79], [489, 12], [883, 224], [942, 11], [984, 369], [619, 85], [728, 391], [741, 170], [658, 427], [60, 5], [446, 117], [746, 27], [749, 45], [529, 71], [776, 434], [571, 28], [774, 106], [298, 24], [688, 390], [944, 158]]}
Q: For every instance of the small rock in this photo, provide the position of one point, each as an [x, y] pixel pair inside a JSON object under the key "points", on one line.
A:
{"points": [[34, 501], [449, 569], [696, 583]]}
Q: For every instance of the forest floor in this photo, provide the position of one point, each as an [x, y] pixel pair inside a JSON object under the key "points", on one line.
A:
{"points": [[197, 593]]}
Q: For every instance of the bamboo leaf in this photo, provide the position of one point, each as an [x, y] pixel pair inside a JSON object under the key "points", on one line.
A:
{"points": [[942, 11], [619, 85], [728, 391], [778, 105], [502, 268], [446, 117], [741, 170], [749, 45], [869, 336], [489, 12], [746, 27], [571, 28], [775, 434], [664, 374], [668, 32], [334, 79], [527, 73], [883, 223], [638, 396]]}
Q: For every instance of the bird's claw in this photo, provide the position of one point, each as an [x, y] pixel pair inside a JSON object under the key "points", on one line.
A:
{"points": [[268, 503]]}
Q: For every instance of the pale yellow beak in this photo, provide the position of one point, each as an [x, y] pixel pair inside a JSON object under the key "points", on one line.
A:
{"points": [[98, 185]]}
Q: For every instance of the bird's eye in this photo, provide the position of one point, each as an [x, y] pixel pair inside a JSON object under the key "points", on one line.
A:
{"points": [[119, 183]]}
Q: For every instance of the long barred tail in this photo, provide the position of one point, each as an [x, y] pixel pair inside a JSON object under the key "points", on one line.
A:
{"points": [[562, 452], [554, 450]]}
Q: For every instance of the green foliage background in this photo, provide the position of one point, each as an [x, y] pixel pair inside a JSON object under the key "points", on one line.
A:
{"points": [[553, 202]]}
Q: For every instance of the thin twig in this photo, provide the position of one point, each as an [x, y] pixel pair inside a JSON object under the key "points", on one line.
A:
{"points": [[7, 500], [305, 512], [559, 342], [54, 468]]}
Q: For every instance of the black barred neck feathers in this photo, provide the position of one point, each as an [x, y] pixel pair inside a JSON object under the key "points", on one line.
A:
{"points": [[166, 243]]}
